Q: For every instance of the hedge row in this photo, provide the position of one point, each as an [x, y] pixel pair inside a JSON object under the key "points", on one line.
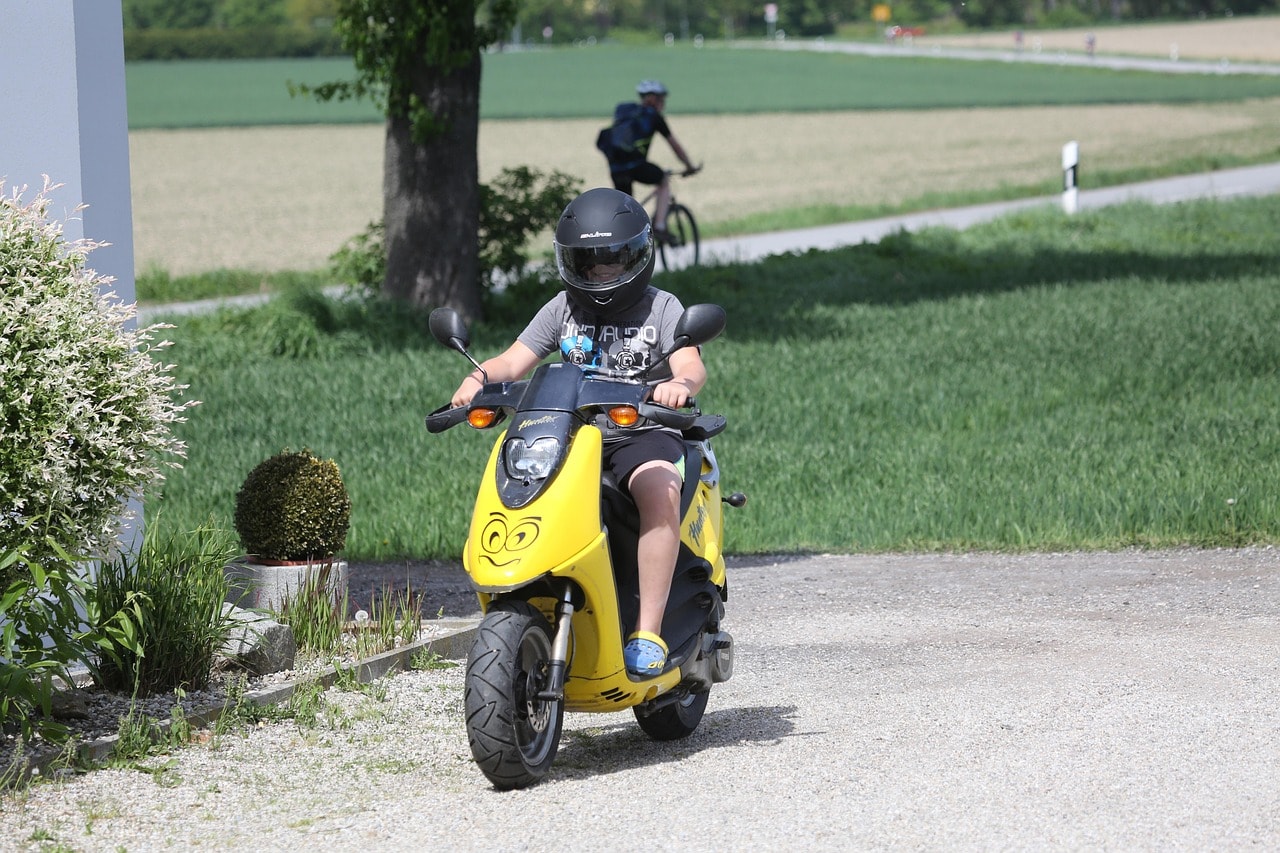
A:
{"points": [[140, 45]]}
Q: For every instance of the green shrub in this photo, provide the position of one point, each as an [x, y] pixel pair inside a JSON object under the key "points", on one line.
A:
{"points": [[172, 590], [293, 506], [39, 638], [86, 412], [513, 210]]}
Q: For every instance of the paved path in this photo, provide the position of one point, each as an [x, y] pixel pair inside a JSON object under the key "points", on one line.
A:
{"points": [[1228, 183]]}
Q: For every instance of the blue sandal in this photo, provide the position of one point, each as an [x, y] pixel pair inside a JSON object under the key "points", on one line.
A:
{"points": [[645, 653]]}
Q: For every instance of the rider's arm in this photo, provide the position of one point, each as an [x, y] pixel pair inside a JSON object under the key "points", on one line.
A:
{"points": [[510, 365], [680, 152], [689, 374]]}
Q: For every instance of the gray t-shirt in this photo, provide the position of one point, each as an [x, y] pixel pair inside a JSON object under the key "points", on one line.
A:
{"points": [[631, 341]]}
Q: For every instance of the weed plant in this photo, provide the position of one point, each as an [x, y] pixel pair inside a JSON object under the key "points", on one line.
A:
{"points": [[324, 626], [393, 620], [1043, 381], [316, 614]]}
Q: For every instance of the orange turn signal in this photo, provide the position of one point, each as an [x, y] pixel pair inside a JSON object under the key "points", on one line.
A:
{"points": [[482, 418], [624, 416]]}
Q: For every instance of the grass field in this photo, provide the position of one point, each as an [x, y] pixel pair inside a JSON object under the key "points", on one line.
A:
{"points": [[285, 197], [1039, 382], [719, 79]]}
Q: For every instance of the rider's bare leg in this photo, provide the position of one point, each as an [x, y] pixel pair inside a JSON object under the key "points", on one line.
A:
{"points": [[663, 202], [655, 486]]}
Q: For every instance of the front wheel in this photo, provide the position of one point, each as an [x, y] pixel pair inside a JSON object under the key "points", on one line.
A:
{"points": [[674, 721], [513, 734], [680, 247]]}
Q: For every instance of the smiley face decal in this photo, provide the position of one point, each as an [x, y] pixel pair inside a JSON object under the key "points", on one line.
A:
{"points": [[502, 539]]}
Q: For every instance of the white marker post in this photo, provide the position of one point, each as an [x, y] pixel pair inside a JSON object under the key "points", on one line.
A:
{"points": [[1070, 188]]}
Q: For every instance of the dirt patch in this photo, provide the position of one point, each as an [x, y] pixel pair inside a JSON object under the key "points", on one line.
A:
{"points": [[282, 198]]}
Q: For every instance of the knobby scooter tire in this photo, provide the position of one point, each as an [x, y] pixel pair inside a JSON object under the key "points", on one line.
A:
{"points": [[514, 735], [682, 228], [674, 721]]}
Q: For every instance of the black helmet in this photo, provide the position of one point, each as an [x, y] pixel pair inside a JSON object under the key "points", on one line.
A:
{"points": [[604, 228]]}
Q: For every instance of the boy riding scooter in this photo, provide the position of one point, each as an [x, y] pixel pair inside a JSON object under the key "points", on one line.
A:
{"points": [[609, 316]]}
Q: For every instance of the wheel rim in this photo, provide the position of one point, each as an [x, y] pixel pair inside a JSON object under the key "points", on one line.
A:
{"points": [[535, 722], [681, 227]]}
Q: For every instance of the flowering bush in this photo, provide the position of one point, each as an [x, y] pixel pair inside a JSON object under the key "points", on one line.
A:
{"points": [[86, 411]]}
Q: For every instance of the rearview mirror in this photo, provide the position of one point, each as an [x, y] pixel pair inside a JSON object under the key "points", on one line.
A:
{"points": [[699, 324], [448, 328]]}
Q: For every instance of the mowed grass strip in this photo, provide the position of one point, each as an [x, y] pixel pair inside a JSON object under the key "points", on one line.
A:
{"points": [[1098, 381], [585, 82]]}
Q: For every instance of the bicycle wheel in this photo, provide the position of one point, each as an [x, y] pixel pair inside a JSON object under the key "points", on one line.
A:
{"points": [[681, 247]]}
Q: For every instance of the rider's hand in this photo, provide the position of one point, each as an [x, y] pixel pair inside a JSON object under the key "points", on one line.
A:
{"points": [[468, 389], [674, 394]]}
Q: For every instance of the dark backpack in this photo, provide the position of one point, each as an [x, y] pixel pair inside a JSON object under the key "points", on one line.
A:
{"points": [[618, 140]]}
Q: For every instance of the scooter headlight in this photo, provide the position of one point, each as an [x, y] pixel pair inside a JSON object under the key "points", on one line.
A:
{"points": [[533, 460]]}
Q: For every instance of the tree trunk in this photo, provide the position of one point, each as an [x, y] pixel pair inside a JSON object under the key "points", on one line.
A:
{"points": [[431, 196]]}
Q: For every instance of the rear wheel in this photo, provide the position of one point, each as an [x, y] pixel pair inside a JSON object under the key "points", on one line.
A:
{"points": [[681, 249], [674, 721], [514, 735]]}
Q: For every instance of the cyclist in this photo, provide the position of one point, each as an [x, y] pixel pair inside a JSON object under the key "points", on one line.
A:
{"points": [[634, 125], [609, 315]]}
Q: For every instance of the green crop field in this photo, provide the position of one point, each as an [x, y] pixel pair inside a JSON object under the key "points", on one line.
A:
{"points": [[586, 82]]}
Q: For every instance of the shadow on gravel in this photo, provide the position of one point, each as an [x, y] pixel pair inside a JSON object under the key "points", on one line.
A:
{"points": [[621, 745]]}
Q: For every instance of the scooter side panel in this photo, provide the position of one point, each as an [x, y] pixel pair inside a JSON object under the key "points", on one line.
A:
{"points": [[507, 548], [703, 524]]}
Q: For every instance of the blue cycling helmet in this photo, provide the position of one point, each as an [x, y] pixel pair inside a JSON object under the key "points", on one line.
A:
{"points": [[651, 87]]}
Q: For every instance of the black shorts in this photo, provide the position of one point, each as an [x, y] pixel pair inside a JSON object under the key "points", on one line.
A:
{"points": [[624, 456], [645, 173]]}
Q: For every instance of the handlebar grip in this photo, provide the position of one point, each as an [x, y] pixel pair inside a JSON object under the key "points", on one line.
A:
{"points": [[445, 417], [667, 417]]}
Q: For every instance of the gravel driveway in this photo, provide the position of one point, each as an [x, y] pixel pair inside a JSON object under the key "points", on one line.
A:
{"points": [[1047, 701]]}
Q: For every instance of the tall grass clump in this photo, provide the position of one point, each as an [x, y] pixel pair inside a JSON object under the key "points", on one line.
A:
{"points": [[1102, 380], [174, 588]]}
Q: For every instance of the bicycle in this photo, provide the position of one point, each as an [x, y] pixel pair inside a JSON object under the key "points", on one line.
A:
{"points": [[681, 247]]}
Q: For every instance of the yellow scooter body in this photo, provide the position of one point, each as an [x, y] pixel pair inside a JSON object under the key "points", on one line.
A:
{"points": [[560, 534]]}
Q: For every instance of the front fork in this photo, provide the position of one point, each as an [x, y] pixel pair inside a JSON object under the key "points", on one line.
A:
{"points": [[558, 666]]}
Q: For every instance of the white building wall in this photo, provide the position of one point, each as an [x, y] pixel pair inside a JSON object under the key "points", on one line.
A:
{"points": [[63, 114]]}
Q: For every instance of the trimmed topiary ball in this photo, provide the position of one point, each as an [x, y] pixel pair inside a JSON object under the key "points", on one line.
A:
{"points": [[293, 506]]}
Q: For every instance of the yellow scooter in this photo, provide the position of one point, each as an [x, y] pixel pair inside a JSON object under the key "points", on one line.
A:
{"points": [[553, 543]]}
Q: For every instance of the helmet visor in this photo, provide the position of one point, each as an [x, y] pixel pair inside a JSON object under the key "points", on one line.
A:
{"points": [[603, 267]]}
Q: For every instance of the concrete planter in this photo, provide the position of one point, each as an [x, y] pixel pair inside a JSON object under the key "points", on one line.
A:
{"points": [[267, 586]]}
